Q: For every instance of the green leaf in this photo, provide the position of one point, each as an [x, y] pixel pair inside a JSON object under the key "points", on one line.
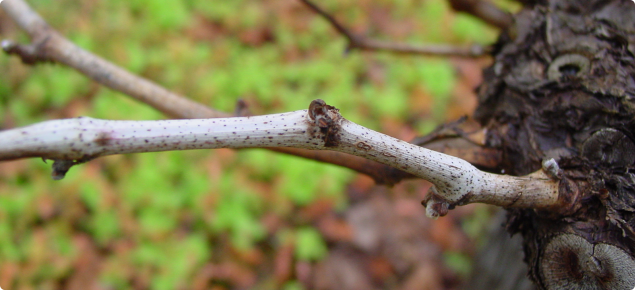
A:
{"points": [[300, 179], [459, 262], [468, 28], [104, 226], [168, 15], [293, 285], [310, 245], [8, 249], [438, 76], [147, 254], [155, 222], [137, 59], [91, 195], [433, 12], [237, 213]]}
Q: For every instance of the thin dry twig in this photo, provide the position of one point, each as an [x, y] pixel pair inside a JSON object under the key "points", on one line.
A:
{"points": [[322, 127], [362, 43], [50, 46], [484, 10]]}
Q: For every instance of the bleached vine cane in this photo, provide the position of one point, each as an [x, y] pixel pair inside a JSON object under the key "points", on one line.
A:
{"points": [[72, 141]]}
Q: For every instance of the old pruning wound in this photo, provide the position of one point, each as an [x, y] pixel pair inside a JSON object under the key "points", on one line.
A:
{"points": [[325, 123]]}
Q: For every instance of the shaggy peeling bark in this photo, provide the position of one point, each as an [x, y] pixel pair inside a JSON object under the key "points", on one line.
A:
{"points": [[72, 141]]}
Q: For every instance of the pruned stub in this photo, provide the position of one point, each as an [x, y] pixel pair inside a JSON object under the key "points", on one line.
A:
{"points": [[562, 86], [325, 119]]}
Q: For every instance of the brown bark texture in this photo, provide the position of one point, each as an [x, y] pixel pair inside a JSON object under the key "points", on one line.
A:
{"points": [[563, 86]]}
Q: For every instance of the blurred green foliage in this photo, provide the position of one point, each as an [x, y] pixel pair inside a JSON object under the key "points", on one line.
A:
{"points": [[460, 262], [163, 214], [309, 244]]}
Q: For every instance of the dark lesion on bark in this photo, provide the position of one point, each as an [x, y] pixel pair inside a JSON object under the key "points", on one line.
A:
{"points": [[562, 86]]}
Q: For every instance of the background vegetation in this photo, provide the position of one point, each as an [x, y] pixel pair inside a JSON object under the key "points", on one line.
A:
{"points": [[165, 220]]}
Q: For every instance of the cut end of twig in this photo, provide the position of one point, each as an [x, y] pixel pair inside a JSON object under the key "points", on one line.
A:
{"points": [[60, 167], [6, 44], [242, 109], [435, 205], [551, 168], [437, 208], [29, 54]]}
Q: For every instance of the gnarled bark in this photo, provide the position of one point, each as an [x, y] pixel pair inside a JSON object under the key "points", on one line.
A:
{"points": [[563, 86]]}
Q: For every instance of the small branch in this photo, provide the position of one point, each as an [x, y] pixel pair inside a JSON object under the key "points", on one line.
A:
{"points": [[457, 182], [480, 156], [362, 43], [484, 10], [29, 54], [50, 46], [380, 173]]}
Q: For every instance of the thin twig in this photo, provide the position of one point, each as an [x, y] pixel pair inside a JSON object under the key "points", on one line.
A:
{"points": [[363, 43], [50, 46], [321, 127], [484, 10]]}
